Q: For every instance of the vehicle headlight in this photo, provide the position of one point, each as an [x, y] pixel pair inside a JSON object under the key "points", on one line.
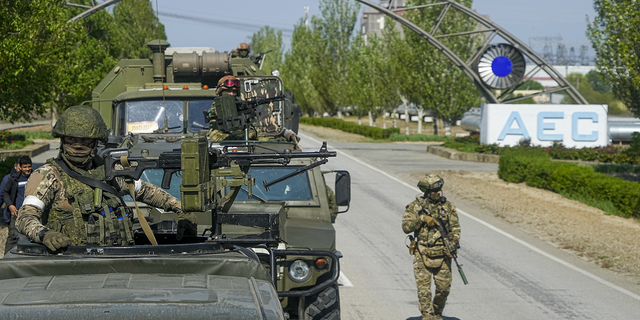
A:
{"points": [[275, 73], [299, 271]]}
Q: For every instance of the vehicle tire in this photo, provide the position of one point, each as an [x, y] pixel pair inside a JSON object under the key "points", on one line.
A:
{"points": [[323, 306]]}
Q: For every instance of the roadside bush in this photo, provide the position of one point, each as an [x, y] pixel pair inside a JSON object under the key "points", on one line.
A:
{"points": [[535, 168], [12, 141], [416, 137], [31, 135], [367, 131]]}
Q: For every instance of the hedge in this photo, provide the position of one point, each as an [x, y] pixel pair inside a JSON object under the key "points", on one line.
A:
{"points": [[416, 137], [367, 131], [535, 168]]}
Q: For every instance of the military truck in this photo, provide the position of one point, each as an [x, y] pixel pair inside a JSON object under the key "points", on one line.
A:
{"points": [[151, 106]]}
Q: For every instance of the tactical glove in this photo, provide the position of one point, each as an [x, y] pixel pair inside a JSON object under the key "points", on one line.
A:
{"points": [[187, 225], [55, 240], [428, 220]]}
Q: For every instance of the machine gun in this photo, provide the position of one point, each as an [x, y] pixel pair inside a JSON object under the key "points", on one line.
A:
{"points": [[231, 114], [206, 170], [259, 58]]}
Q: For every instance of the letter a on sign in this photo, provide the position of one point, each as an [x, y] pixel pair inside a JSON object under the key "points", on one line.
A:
{"points": [[519, 131]]}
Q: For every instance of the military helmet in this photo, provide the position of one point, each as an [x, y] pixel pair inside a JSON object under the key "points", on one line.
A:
{"points": [[81, 122], [430, 183], [243, 46]]}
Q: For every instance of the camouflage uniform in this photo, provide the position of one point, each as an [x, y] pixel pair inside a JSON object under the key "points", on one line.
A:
{"points": [[431, 257], [333, 205], [54, 201]]}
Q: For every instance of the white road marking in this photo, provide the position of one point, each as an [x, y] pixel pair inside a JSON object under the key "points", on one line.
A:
{"points": [[343, 281], [506, 234]]}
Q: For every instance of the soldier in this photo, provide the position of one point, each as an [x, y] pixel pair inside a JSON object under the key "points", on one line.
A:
{"points": [[243, 50], [230, 85], [74, 213], [233, 53], [430, 257]]}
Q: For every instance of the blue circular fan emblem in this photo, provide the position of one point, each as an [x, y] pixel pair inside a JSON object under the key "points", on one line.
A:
{"points": [[501, 66]]}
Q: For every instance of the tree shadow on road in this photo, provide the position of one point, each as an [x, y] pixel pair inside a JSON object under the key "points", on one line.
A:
{"points": [[443, 318]]}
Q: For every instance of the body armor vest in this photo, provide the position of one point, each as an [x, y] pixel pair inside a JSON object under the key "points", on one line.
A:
{"points": [[430, 239], [104, 224]]}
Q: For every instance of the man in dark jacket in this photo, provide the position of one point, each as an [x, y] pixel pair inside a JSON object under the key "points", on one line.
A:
{"points": [[5, 216], [13, 196]]}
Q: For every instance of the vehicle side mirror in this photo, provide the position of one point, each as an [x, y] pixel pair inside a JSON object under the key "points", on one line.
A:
{"points": [[343, 188]]}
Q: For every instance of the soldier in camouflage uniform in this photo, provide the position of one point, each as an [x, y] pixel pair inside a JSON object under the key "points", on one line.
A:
{"points": [[61, 211], [230, 85], [431, 258], [243, 50]]}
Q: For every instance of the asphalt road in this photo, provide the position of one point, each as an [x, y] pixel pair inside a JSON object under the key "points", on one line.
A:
{"points": [[511, 274]]}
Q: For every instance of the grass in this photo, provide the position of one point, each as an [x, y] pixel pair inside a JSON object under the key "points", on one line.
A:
{"points": [[31, 135], [606, 206]]}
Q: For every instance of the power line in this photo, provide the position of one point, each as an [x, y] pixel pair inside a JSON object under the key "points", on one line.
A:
{"points": [[228, 24]]}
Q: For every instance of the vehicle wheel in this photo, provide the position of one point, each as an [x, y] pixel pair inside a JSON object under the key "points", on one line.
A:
{"points": [[324, 305]]}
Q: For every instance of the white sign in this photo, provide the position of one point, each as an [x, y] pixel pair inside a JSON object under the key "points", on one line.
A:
{"points": [[574, 125]]}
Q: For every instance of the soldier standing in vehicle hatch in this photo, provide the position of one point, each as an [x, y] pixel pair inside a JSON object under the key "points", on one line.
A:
{"points": [[430, 256], [60, 210]]}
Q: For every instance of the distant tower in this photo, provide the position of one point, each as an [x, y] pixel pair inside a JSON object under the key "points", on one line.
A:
{"points": [[547, 51], [584, 55], [572, 57], [561, 55]]}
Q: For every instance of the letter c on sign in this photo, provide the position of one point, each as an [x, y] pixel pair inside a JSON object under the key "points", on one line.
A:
{"points": [[574, 126]]}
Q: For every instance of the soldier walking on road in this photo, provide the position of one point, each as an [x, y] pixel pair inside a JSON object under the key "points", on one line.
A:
{"points": [[423, 217]]}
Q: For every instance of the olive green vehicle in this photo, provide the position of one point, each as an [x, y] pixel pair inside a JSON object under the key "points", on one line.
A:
{"points": [[153, 105]]}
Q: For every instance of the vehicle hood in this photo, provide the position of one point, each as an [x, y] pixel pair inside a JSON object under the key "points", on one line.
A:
{"points": [[138, 296]]}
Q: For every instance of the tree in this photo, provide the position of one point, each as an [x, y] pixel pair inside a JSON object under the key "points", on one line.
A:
{"points": [[268, 39], [49, 60], [616, 40], [585, 87], [34, 42], [135, 24], [296, 68], [432, 82], [315, 68]]}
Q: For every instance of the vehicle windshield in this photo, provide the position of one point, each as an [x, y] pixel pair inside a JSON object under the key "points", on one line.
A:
{"points": [[296, 188], [196, 114], [149, 115]]}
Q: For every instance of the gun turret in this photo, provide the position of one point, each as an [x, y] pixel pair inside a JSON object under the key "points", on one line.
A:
{"points": [[232, 114]]}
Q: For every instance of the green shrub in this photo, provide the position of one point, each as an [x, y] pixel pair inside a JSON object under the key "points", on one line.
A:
{"points": [[616, 168], [534, 167], [367, 131], [416, 137], [13, 141], [514, 164]]}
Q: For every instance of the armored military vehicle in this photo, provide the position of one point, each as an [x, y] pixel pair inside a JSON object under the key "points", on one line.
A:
{"points": [[153, 106]]}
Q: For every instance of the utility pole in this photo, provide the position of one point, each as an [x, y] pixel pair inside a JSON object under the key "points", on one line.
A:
{"points": [[306, 16]]}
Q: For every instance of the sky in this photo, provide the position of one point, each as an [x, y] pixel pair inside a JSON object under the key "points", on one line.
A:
{"points": [[225, 24]]}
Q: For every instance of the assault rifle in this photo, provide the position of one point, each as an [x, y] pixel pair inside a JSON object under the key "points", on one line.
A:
{"points": [[448, 244], [232, 114]]}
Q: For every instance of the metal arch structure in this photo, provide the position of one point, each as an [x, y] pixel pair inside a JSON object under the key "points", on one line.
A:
{"points": [[90, 9], [467, 67]]}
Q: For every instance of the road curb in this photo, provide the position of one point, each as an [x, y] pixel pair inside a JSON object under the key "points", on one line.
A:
{"points": [[30, 150], [464, 156]]}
